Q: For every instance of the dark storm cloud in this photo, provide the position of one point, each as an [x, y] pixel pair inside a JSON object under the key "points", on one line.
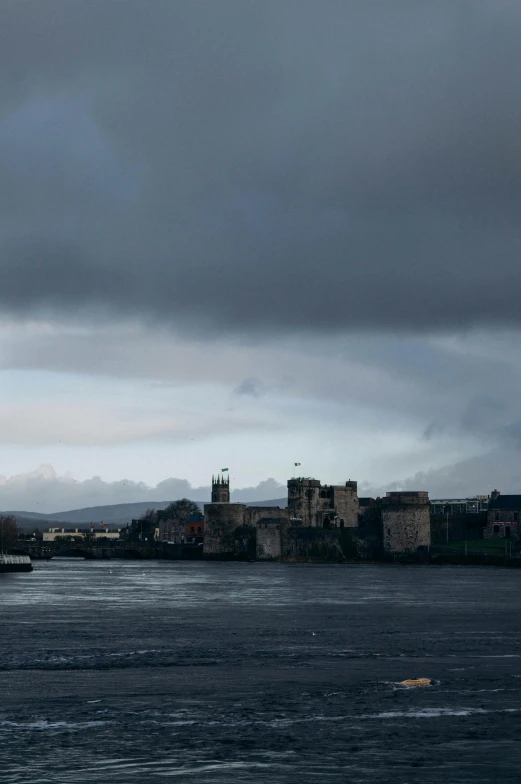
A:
{"points": [[262, 166]]}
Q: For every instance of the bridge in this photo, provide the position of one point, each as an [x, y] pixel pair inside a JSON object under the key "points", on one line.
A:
{"points": [[38, 550]]}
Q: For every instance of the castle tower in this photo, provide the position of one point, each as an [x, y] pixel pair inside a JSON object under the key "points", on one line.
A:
{"points": [[220, 490], [325, 506], [406, 521], [303, 500]]}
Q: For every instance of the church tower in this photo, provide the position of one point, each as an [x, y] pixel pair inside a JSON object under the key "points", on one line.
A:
{"points": [[220, 490]]}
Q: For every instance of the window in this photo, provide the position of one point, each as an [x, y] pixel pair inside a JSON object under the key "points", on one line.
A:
{"points": [[496, 517], [193, 529], [516, 517], [199, 530], [496, 529]]}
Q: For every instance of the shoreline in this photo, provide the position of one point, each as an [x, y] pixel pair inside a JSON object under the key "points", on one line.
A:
{"points": [[397, 560]]}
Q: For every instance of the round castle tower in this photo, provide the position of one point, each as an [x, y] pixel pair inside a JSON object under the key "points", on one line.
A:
{"points": [[406, 521]]}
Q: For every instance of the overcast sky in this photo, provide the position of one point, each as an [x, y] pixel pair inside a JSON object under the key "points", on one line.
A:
{"points": [[249, 234]]}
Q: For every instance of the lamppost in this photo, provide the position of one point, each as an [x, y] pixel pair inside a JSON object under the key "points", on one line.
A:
{"points": [[447, 510]]}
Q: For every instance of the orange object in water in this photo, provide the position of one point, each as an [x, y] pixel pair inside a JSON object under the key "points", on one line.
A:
{"points": [[417, 682]]}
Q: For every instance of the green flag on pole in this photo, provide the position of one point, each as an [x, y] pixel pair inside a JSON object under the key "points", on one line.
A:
{"points": [[224, 469]]}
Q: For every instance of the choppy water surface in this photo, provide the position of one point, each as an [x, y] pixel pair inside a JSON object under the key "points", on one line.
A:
{"points": [[137, 672]]}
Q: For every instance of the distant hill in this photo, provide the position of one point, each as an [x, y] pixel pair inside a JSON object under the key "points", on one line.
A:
{"points": [[114, 514], [282, 502]]}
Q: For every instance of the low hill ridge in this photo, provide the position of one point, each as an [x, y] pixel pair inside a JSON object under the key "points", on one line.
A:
{"points": [[114, 514]]}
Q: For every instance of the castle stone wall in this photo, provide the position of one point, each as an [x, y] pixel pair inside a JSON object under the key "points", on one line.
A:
{"points": [[268, 544], [255, 513], [220, 522], [318, 544]]}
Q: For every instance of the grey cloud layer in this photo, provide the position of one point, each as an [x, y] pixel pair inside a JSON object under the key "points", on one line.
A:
{"points": [[458, 387], [262, 166], [45, 491], [480, 474]]}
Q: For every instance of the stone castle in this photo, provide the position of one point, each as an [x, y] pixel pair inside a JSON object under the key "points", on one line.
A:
{"points": [[318, 519]]}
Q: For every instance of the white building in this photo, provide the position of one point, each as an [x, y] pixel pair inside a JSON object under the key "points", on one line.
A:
{"points": [[76, 533]]}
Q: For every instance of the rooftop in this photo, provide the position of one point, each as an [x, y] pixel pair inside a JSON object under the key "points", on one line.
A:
{"points": [[505, 502]]}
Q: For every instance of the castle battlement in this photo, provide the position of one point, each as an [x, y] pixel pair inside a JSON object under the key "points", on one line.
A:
{"points": [[406, 497], [325, 506]]}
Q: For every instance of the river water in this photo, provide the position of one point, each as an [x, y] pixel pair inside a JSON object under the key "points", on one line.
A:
{"points": [[226, 672]]}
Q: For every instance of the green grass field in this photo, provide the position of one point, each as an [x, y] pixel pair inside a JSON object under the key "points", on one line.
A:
{"points": [[491, 546]]}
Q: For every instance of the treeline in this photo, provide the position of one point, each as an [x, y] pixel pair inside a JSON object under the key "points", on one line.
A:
{"points": [[8, 531], [177, 510]]}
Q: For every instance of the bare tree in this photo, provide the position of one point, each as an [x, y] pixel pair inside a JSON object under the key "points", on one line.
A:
{"points": [[181, 510], [173, 521], [143, 529]]}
